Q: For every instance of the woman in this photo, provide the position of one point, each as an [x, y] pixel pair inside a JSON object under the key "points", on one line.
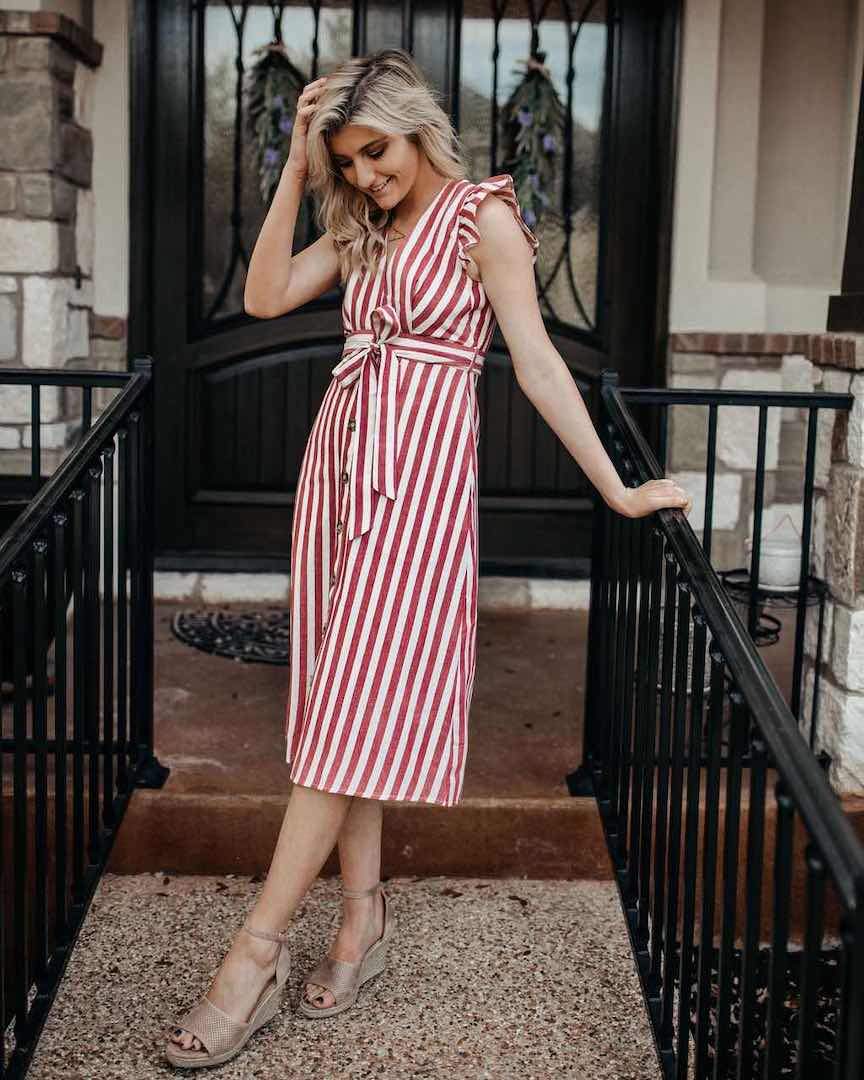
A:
{"points": [[383, 590]]}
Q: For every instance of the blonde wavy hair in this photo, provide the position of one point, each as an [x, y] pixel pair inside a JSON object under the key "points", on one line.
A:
{"points": [[386, 91]]}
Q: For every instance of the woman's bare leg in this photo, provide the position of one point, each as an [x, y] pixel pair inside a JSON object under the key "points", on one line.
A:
{"points": [[360, 864], [308, 833]]}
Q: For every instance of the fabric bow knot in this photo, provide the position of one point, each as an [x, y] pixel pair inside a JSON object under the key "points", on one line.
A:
{"points": [[372, 359]]}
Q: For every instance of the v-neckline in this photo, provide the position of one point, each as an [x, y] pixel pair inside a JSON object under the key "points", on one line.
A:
{"points": [[390, 258]]}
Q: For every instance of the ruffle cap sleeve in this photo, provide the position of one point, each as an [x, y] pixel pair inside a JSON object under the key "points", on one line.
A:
{"points": [[467, 232]]}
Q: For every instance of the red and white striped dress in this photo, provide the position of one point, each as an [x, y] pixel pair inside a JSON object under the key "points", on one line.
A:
{"points": [[383, 588]]}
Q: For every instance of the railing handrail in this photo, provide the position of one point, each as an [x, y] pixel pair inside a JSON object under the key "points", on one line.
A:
{"points": [[818, 805], [53, 377], [791, 399], [66, 475]]}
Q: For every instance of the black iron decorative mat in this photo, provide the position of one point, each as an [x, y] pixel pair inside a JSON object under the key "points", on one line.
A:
{"points": [[253, 636]]}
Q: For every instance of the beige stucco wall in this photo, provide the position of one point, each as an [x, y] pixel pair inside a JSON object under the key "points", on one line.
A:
{"points": [[769, 100], [111, 159], [73, 8]]}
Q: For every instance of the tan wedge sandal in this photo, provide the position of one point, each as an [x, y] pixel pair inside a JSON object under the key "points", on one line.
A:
{"points": [[344, 979], [221, 1036]]}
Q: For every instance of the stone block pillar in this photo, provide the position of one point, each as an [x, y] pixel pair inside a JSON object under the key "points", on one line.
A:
{"points": [[839, 557], [46, 219]]}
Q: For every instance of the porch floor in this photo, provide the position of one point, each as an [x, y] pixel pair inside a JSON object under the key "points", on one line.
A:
{"points": [[546, 986], [219, 726]]}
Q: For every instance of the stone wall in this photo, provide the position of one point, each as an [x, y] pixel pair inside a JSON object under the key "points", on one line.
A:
{"points": [[799, 362], [839, 557], [708, 361], [47, 64]]}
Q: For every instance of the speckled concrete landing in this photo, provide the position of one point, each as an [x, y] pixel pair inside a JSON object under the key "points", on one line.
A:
{"points": [[503, 979]]}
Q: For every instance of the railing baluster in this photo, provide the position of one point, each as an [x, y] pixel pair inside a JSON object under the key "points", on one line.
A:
{"points": [[709, 864], [649, 740], [758, 504], [810, 961], [79, 647], [136, 629], [60, 521], [804, 571], [86, 409], [35, 433], [634, 532], [710, 470], [123, 778], [4, 872], [738, 729], [20, 846], [662, 818], [638, 769], [108, 815], [670, 918], [753, 914], [39, 645], [620, 572], [777, 977], [94, 558], [691, 844]]}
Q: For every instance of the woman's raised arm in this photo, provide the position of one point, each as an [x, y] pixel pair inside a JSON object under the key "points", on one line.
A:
{"points": [[278, 282]]}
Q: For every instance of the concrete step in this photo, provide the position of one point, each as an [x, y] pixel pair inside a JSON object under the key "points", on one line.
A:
{"points": [[198, 833]]}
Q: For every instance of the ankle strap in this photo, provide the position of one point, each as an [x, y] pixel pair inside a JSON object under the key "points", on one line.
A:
{"points": [[267, 935], [361, 892]]}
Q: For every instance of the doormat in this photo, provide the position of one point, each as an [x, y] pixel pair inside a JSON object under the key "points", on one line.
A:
{"points": [[252, 636]]}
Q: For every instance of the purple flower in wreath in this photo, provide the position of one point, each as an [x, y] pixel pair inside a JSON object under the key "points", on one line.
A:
{"points": [[534, 181], [271, 156], [278, 101], [285, 125], [549, 143], [525, 117], [529, 217]]}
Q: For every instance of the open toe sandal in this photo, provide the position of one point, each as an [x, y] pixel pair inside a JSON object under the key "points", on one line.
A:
{"points": [[344, 979], [221, 1036]]}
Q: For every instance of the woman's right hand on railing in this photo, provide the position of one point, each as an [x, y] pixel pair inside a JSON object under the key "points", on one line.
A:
{"points": [[654, 495], [307, 103]]}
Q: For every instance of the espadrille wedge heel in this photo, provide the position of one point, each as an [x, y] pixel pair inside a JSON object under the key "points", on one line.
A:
{"points": [[344, 979], [221, 1036]]}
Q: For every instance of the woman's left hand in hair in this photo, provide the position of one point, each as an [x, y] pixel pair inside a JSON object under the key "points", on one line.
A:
{"points": [[654, 495]]}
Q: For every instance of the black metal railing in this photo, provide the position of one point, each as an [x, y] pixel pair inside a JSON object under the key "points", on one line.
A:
{"points": [[745, 905], [76, 670], [652, 409]]}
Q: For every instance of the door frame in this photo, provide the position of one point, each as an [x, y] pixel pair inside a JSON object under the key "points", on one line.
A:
{"points": [[645, 68]]}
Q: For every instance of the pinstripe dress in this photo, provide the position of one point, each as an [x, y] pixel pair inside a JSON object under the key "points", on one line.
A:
{"points": [[384, 567]]}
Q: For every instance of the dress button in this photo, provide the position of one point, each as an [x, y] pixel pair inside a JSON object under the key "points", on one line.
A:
{"points": [[338, 526], [332, 579], [344, 475], [352, 424]]}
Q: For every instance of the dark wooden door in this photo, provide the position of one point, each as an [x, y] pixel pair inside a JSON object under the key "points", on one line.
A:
{"points": [[236, 395]]}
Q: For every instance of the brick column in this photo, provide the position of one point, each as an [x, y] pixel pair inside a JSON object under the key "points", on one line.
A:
{"points": [[46, 218]]}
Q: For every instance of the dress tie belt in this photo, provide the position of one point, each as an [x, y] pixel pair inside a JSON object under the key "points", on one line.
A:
{"points": [[374, 358]]}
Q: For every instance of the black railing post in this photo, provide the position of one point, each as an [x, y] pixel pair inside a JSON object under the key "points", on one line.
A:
{"points": [[149, 772], [580, 781]]}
